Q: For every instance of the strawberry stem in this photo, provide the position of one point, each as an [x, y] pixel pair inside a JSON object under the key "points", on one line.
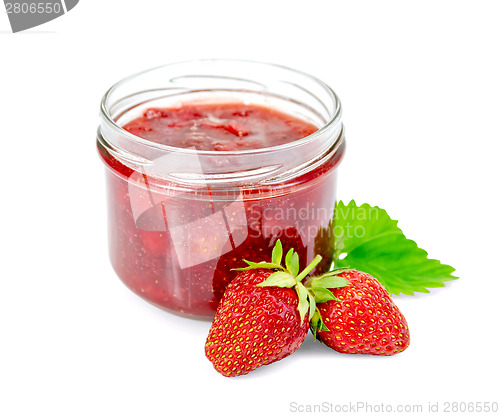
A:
{"points": [[308, 268]]}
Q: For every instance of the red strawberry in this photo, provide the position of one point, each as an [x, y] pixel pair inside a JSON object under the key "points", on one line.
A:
{"points": [[262, 316], [254, 325], [362, 319]]}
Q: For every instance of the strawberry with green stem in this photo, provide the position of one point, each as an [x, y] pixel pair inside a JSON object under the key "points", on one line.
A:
{"points": [[262, 315], [359, 318]]}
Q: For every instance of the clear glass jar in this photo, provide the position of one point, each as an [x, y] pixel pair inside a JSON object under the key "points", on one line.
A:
{"points": [[180, 219]]}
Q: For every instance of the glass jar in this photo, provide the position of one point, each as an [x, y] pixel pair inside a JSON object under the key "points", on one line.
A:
{"points": [[181, 219]]}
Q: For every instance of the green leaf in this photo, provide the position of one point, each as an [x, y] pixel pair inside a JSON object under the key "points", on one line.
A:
{"points": [[312, 302], [322, 294], [354, 225], [294, 264], [367, 239], [303, 306], [327, 281], [262, 265], [288, 259], [279, 279], [317, 323], [277, 253]]}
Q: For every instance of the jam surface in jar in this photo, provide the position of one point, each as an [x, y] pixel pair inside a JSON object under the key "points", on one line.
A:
{"points": [[219, 127], [178, 251]]}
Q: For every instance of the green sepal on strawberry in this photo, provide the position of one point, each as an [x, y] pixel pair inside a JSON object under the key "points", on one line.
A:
{"points": [[264, 314], [317, 290]]}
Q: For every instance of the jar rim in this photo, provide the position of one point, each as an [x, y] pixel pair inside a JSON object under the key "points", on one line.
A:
{"points": [[334, 119]]}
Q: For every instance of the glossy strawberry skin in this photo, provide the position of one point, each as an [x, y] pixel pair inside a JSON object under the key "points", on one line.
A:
{"points": [[365, 320], [254, 325]]}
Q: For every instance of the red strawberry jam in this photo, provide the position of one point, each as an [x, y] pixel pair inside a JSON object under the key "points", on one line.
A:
{"points": [[219, 127], [176, 248]]}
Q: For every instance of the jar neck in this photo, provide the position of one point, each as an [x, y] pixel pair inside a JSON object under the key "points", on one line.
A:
{"points": [[292, 92]]}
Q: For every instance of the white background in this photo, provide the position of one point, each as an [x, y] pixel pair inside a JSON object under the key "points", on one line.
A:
{"points": [[419, 83]]}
